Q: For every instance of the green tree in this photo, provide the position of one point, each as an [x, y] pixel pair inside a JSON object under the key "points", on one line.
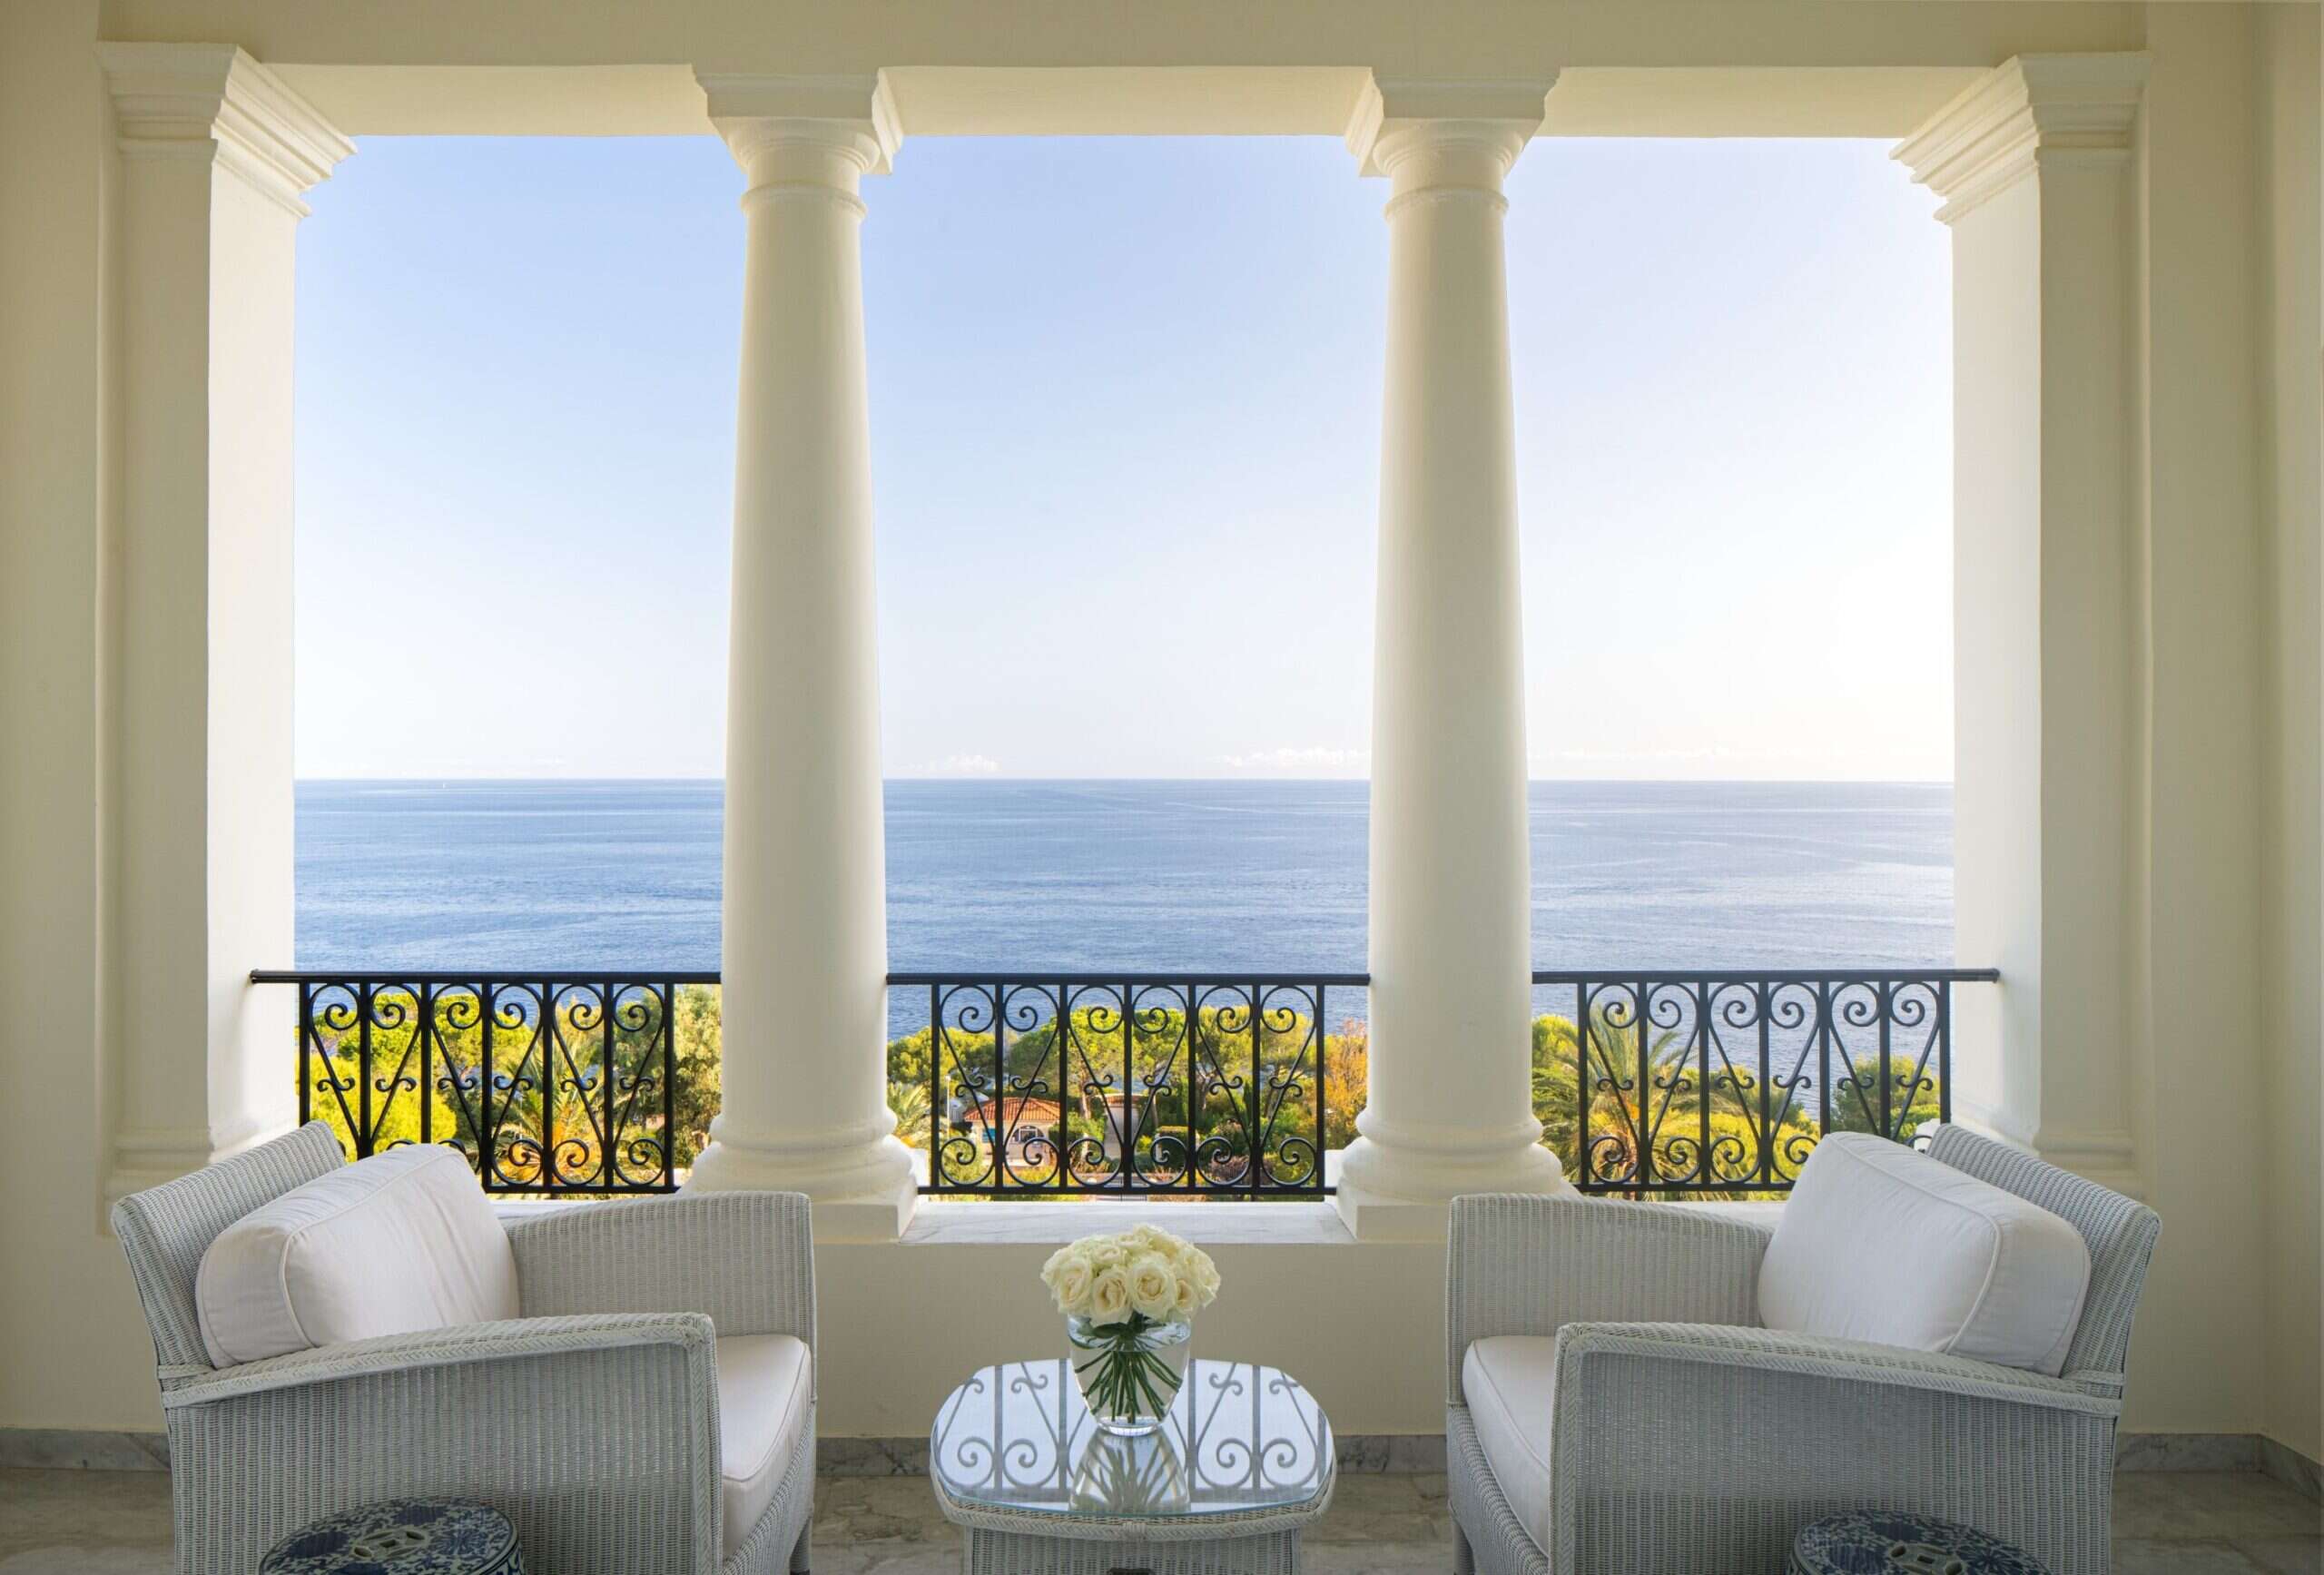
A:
{"points": [[1191, 1090], [698, 1049], [569, 1083], [1696, 1132], [910, 1102]]}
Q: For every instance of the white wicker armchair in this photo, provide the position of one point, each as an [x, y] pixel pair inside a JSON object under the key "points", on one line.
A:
{"points": [[1684, 1437], [592, 1421]]}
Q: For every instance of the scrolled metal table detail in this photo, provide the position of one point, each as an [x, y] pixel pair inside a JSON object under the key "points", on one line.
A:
{"points": [[1242, 1464]]}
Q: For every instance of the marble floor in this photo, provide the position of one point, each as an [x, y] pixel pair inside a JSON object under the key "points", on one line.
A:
{"points": [[89, 1523]]}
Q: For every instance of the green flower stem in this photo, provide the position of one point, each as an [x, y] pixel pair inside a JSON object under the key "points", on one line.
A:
{"points": [[1124, 1378]]}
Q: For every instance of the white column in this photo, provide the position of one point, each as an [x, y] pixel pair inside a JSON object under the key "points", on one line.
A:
{"points": [[1450, 1109], [2034, 165], [805, 1007], [214, 154]]}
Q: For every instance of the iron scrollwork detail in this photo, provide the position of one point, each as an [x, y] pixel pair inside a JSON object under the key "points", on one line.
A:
{"points": [[555, 1083], [1135, 1085], [1722, 1083]]}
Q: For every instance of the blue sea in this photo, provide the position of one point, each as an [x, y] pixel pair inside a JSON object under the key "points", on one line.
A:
{"points": [[1205, 876]]}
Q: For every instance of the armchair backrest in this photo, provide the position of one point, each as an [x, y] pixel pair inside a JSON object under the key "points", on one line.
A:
{"points": [[165, 1230], [2119, 1231]]}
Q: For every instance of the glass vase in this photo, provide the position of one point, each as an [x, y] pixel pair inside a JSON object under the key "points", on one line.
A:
{"points": [[1130, 1474], [1129, 1373]]}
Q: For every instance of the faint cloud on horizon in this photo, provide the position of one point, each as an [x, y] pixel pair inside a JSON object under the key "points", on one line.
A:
{"points": [[1311, 760], [960, 765]]}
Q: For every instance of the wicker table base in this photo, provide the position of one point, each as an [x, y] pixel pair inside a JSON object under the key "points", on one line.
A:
{"points": [[1018, 1553]]}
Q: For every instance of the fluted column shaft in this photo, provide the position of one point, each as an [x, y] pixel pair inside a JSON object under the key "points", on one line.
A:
{"points": [[805, 1007], [1450, 1108]]}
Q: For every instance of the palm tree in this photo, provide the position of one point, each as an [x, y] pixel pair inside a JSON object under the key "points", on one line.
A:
{"points": [[909, 1100], [1668, 1113]]}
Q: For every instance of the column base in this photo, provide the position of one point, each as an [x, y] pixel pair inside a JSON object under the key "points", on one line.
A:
{"points": [[1390, 1194], [860, 1192]]}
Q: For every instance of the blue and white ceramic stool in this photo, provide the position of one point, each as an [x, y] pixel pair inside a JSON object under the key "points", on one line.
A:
{"points": [[1873, 1543], [402, 1537]]}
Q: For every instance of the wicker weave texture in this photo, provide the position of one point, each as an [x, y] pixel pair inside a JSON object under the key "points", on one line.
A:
{"points": [[1697, 1448], [1525, 1264], [747, 1258], [1015, 1553], [1487, 1534], [1245, 1525], [603, 1459], [2119, 1231], [1696, 1440], [592, 1421], [167, 1228], [780, 1540]]}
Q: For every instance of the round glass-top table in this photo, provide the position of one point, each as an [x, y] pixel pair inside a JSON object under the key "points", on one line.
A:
{"points": [[1242, 1463]]}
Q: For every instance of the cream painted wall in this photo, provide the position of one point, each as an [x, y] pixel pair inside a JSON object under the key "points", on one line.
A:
{"points": [[2226, 873], [2288, 41], [1362, 1325], [2198, 1001], [78, 1354]]}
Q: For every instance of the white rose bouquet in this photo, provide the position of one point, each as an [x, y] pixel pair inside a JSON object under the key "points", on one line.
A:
{"points": [[1127, 1299]]}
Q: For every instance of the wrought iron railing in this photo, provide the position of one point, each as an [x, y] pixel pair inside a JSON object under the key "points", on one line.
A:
{"points": [[552, 1084], [1653, 1083], [1127, 1085], [1721, 1083]]}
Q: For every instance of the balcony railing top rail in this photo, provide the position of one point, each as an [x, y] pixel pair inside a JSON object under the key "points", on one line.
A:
{"points": [[590, 1082], [1769, 975], [416, 976], [1118, 976]]}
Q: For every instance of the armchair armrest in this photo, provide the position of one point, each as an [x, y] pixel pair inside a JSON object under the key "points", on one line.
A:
{"points": [[1822, 1356], [688, 1334], [745, 1258], [1667, 1441], [597, 1435], [1519, 1263]]}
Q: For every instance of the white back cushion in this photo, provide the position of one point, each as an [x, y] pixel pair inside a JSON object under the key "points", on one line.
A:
{"points": [[399, 1242], [1880, 1242]]}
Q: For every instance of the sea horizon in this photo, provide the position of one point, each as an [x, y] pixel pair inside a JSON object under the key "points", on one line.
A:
{"points": [[444, 779], [1204, 875]]}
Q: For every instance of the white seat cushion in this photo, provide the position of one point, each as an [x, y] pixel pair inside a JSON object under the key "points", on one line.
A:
{"points": [[400, 1242], [764, 1385], [1883, 1244], [1511, 1384]]}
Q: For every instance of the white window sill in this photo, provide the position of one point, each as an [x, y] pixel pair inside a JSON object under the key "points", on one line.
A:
{"points": [[938, 1223], [1224, 1223]]}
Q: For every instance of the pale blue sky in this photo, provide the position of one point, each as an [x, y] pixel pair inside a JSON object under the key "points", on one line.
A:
{"points": [[1125, 409]]}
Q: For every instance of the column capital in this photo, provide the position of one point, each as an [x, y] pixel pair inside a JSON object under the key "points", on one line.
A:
{"points": [[2030, 109], [1396, 117], [212, 101], [853, 116]]}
